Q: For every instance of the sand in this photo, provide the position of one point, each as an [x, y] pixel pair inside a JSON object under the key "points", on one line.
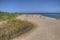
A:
{"points": [[46, 28]]}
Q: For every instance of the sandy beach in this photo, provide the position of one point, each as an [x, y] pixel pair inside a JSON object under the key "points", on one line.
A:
{"points": [[46, 28]]}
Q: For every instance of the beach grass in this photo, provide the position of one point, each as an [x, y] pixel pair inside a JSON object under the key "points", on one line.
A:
{"points": [[13, 26], [6, 15]]}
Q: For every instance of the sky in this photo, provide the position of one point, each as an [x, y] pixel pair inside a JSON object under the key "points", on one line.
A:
{"points": [[30, 6]]}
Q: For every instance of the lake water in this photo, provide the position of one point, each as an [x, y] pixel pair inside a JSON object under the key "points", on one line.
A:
{"points": [[54, 15]]}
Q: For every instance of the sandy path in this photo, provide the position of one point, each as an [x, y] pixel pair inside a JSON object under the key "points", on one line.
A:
{"points": [[46, 28]]}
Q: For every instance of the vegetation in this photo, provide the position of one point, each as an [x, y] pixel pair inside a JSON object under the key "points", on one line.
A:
{"points": [[12, 27], [6, 15]]}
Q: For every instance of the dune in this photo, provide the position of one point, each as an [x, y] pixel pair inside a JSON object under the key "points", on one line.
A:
{"points": [[46, 28]]}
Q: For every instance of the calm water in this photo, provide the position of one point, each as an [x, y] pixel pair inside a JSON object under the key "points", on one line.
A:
{"points": [[54, 15]]}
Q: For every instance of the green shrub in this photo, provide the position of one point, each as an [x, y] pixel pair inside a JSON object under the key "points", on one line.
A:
{"points": [[13, 27], [6, 15]]}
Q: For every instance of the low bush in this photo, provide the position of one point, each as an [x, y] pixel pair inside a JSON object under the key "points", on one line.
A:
{"points": [[6, 15], [14, 27]]}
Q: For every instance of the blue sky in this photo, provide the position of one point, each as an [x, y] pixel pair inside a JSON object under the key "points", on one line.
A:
{"points": [[30, 6]]}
